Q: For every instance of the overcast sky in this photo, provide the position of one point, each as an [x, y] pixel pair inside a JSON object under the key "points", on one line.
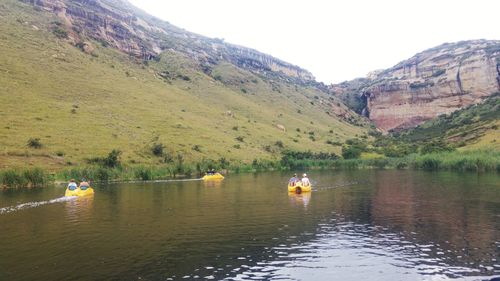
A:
{"points": [[335, 40]]}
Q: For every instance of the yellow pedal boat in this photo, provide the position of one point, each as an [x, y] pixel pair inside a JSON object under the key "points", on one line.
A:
{"points": [[79, 192], [215, 176], [299, 188]]}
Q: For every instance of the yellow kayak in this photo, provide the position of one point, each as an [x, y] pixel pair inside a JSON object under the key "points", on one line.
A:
{"points": [[79, 192], [299, 188], [215, 176]]}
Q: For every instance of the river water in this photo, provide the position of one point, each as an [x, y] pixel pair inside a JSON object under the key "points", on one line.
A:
{"points": [[355, 225]]}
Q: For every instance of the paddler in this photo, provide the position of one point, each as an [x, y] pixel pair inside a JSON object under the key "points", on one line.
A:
{"points": [[305, 180], [72, 184], [84, 184], [293, 180]]}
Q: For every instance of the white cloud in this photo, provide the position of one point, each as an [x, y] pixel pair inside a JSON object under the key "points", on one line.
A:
{"points": [[335, 40]]}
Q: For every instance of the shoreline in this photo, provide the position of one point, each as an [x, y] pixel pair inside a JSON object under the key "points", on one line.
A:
{"points": [[474, 161]]}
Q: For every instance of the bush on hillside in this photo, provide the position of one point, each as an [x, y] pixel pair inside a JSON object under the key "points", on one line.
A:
{"points": [[60, 33], [351, 152], [110, 161], [157, 149], [435, 146], [34, 143]]}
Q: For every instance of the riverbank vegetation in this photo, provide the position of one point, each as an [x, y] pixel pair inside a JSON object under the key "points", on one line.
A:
{"points": [[477, 160]]}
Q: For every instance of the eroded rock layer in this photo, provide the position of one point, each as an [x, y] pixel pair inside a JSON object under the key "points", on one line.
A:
{"points": [[437, 81], [121, 25]]}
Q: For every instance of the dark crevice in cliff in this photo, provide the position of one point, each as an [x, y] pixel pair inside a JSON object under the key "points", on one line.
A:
{"points": [[459, 82], [498, 76], [416, 68], [365, 111]]}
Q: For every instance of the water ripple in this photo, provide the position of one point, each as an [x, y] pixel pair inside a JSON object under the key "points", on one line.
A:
{"points": [[29, 205], [347, 250]]}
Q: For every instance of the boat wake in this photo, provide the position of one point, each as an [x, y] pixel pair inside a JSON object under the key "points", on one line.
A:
{"points": [[29, 205], [341, 184]]}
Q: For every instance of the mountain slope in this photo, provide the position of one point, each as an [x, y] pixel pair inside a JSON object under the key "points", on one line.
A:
{"points": [[82, 97], [473, 127]]}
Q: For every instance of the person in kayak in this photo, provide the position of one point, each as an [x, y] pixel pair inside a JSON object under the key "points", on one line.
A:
{"points": [[293, 180], [84, 184], [72, 184], [305, 180]]}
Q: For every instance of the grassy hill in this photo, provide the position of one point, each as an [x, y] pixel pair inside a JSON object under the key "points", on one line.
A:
{"points": [[77, 106], [473, 127]]}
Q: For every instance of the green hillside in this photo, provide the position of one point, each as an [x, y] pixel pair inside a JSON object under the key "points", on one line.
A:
{"points": [[473, 127], [80, 105]]}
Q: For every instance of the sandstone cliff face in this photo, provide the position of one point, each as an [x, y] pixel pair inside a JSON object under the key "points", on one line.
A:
{"points": [[119, 24], [434, 82]]}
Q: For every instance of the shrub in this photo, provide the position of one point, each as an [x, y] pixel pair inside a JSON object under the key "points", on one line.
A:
{"points": [[334, 143], [157, 149], [110, 161], [143, 173], [351, 152], [102, 174], [240, 138], [401, 165], [168, 158], [184, 77], [379, 163], [60, 33], [12, 178], [224, 163], [34, 143], [196, 148], [113, 159], [430, 164], [35, 177], [438, 145], [279, 144]]}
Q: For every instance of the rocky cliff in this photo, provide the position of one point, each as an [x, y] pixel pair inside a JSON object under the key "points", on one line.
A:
{"points": [[119, 24], [437, 81]]}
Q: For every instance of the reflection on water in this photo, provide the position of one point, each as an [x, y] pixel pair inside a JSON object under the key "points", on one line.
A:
{"points": [[359, 225], [212, 183], [301, 199], [79, 208]]}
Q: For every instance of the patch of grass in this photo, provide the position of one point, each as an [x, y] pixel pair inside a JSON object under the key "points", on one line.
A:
{"points": [[35, 177]]}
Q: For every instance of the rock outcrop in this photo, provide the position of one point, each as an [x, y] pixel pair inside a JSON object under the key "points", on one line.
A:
{"points": [[119, 24], [437, 81]]}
